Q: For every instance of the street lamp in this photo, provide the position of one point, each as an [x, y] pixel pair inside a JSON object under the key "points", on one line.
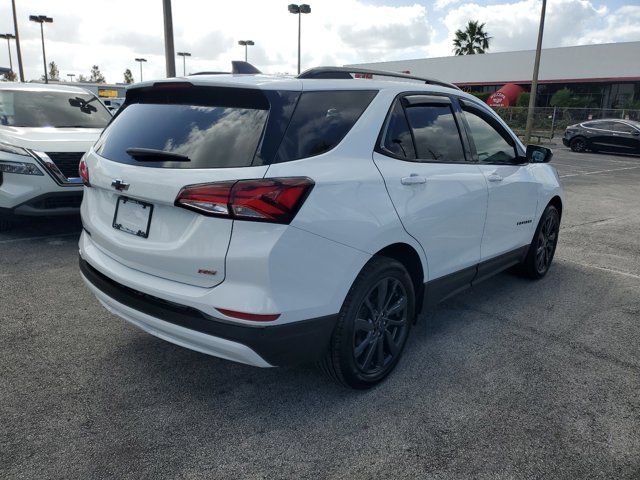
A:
{"points": [[246, 44], [184, 56], [299, 10], [9, 37], [71, 75], [42, 19], [15, 30], [140, 61]]}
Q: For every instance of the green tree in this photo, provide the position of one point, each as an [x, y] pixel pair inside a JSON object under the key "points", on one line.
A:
{"points": [[82, 78], [128, 76], [523, 99], [473, 39], [54, 73], [10, 76], [566, 98], [96, 75]]}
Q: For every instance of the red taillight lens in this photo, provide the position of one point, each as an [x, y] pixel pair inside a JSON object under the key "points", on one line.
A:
{"points": [[83, 171], [274, 200]]}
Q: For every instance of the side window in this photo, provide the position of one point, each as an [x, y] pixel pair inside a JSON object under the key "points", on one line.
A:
{"points": [[397, 138], [622, 127], [491, 145], [436, 133], [321, 120], [604, 125]]}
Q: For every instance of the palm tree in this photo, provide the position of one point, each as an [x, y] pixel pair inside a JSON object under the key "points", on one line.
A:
{"points": [[472, 40]]}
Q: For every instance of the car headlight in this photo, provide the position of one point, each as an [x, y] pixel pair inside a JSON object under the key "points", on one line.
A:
{"points": [[8, 148], [19, 168]]}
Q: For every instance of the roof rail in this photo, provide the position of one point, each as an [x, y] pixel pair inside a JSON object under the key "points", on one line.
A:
{"points": [[345, 73]]}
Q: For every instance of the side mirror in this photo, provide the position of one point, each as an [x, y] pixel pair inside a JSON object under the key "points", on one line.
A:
{"points": [[538, 154]]}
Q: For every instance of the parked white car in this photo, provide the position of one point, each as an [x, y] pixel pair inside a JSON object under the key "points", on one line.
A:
{"points": [[272, 220], [44, 131]]}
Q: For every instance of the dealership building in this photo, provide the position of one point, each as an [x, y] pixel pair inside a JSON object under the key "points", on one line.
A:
{"points": [[609, 73]]}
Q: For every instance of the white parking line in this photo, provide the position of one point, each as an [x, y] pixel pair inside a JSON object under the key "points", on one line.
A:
{"points": [[605, 269], [26, 239], [598, 171]]}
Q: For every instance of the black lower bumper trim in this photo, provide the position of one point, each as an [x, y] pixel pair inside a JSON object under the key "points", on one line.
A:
{"points": [[279, 345], [47, 204]]}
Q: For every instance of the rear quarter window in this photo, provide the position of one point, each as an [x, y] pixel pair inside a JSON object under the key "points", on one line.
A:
{"points": [[320, 122]]}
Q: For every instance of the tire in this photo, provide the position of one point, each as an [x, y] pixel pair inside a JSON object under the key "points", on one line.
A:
{"points": [[578, 144], [543, 246], [366, 344], [4, 225]]}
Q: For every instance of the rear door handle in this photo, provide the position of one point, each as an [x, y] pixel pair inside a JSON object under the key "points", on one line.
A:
{"points": [[413, 179], [494, 177]]}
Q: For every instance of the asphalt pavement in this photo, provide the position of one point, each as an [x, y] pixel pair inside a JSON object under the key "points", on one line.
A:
{"points": [[511, 379]]}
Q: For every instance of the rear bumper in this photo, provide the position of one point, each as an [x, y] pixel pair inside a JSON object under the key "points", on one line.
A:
{"points": [[261, 346]]}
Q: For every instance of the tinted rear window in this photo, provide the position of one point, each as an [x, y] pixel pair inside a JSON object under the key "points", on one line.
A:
{"points": [[51, 109], [214, 128], [321, 120]]}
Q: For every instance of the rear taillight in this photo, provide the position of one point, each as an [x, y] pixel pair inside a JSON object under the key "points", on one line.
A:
{"points": [[274, 200], [83, 171]]}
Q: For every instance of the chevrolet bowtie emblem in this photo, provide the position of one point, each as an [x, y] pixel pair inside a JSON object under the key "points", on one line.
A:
{"points": [[120, 185]]}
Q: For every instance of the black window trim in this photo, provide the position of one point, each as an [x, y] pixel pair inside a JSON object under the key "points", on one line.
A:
{"points": [[435, 97], [491, 119]]}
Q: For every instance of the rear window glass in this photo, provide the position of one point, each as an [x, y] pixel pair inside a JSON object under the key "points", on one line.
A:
{"points": [[321, 120], [217, 128], [51, 109]]}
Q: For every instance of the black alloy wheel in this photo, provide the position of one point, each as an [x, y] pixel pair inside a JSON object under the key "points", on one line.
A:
{"points": [[381, 326], [373, 325], [578, 144], [547, 241]]}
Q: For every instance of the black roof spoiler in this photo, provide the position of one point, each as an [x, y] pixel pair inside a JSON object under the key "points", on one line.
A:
{"points": [[344, 73], [237, 67]]}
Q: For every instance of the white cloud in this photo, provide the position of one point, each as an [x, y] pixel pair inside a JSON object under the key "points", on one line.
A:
{"points": [[440, 4], [112, 34], [514, 25]]}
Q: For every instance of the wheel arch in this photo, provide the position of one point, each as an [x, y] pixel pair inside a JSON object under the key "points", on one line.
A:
{"points": [[556, 201], [409, 257]]}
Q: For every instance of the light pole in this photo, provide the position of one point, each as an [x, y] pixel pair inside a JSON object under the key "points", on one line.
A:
{"points": [[9, 37], [534, 81], [170, 59], [42, 19], [246, 44], [15, 30], [71, 75], [141, 61], [299, 10], [184, 56]]}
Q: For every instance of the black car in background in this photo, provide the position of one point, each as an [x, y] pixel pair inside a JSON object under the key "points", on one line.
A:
{"points": [[610, 135]]}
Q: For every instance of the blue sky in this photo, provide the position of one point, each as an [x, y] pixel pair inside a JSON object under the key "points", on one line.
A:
{"points": [[111, 34]]}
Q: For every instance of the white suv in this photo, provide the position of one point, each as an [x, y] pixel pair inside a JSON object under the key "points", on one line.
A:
{"points": [[272, 220], [44, 130]]}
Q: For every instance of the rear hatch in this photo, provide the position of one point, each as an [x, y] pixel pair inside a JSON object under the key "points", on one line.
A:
{"points": [[166, 137]]}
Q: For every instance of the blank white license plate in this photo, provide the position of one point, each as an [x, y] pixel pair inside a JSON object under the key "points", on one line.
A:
{"points": [[133, 216]]}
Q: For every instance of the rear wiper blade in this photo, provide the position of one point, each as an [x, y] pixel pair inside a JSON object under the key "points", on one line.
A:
{"points": [[153, 155]]}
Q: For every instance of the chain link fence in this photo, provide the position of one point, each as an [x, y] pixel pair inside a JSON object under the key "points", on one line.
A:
{"points": [[551, 121]]}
